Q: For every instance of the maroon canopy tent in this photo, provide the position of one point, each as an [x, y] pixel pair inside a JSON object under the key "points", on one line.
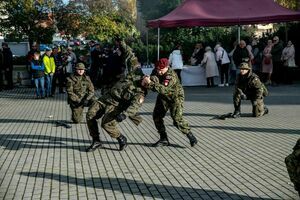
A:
{"points": [[225, 13]]}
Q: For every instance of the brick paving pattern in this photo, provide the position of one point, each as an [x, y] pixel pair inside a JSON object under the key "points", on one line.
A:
{"points": [[235, 158]]}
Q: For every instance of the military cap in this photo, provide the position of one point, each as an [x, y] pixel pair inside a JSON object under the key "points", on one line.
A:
{"points": [[80, 66], [162, 63], [245, 65]]}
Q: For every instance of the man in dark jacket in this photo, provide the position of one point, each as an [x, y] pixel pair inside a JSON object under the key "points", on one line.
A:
{"points": [[276, 59], [7, 65]]}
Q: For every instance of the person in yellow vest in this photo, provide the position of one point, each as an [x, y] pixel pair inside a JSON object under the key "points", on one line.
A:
{"points": [[49, 64]]}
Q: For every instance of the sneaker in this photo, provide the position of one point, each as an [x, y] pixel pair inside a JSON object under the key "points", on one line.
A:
{"points": [[221, 85], [226, 84]]}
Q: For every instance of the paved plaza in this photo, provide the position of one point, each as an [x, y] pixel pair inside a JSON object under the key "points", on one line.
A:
{"points": [[235, 158]]}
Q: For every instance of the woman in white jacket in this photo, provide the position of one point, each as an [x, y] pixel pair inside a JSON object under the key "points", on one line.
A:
{"points": [[223, 62], [288, 59], [175, 60], [210, 65]]}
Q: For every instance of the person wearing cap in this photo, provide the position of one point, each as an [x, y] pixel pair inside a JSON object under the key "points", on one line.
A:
{"points": [[50, 66], [7, 65], [122, 101], [249, 87], [165, 82], [80, 91]]}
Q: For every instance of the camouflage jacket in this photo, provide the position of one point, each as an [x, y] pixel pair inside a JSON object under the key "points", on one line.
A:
{"points": [[128, 94], [79, 88], [167, 86], [250, 85], [128, 57]]}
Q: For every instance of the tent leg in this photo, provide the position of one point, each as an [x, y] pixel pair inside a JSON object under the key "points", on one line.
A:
{"points": [[239, 34], [147, 40], [158, 36]]}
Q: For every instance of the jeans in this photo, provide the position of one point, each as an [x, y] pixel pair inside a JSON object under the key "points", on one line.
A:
{"points": [[39, 85], [49, 79]]}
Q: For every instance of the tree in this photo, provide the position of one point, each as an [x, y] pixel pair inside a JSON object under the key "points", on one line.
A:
{"points": [[28, 19], [291, 4]]}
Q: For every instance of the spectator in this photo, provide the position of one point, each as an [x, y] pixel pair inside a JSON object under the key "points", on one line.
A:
{"points": [[96, 65], [7, 65], [59, 72], [223, 64], [277, 63], [288, 59], [241, 54], [1, 71], [175, 61], [256, 61], [37, 69], [49, 64], [210, 65], [267, 64], [233, 68], [73, 57], [198, 54]]}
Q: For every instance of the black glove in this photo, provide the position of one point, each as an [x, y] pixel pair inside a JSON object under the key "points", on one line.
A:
{"points": [[243, 96], [120, 117]]}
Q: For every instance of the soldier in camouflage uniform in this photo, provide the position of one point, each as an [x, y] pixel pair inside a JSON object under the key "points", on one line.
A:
{"points": [[127, 55], [80, 92], [121, 101], [249, 87], [170, 97], [292, 162]]}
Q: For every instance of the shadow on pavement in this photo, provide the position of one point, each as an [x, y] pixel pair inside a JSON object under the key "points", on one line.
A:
{"points": [[140, 188], [253, 129], [21, 141]]}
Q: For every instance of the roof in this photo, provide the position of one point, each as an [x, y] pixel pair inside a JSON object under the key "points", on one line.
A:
{"points": [[225, 13]]}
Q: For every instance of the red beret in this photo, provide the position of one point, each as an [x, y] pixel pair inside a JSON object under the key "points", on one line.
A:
{"points": [[162, 63]]}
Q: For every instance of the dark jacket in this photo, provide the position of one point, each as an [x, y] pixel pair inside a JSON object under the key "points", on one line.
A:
{"points": [[7, 60], [37, 68]]}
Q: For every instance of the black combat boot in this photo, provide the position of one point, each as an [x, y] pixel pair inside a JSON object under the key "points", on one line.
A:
{"points": [[122, 142], [96, 143], [237, 112], [192, 138], [163, 140], [266, 110]]}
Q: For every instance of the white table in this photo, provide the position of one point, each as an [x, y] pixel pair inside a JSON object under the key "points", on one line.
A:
{"points": [[190, 75]]}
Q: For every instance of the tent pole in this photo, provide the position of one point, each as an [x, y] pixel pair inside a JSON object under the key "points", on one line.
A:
{"points": [[158, 36], [147, 40], [286, 32], [239, 33]]}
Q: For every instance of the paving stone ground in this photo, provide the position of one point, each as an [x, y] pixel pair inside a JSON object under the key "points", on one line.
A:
{"points": [[235, 158]]}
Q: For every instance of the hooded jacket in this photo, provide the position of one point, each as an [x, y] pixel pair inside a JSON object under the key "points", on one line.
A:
{"points": [[175, 60]]}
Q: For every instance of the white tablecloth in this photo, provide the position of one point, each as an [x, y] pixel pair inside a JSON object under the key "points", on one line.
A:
{"points": [[190, 75]]}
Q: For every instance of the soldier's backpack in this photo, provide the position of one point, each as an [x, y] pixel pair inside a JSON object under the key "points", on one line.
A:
{"points": [[265, 90]]}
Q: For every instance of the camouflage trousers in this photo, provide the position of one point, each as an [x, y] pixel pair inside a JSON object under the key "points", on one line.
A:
{"points": [[293, 168], [77, 113], [258, 107], [108, 122], [176, 110]]}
